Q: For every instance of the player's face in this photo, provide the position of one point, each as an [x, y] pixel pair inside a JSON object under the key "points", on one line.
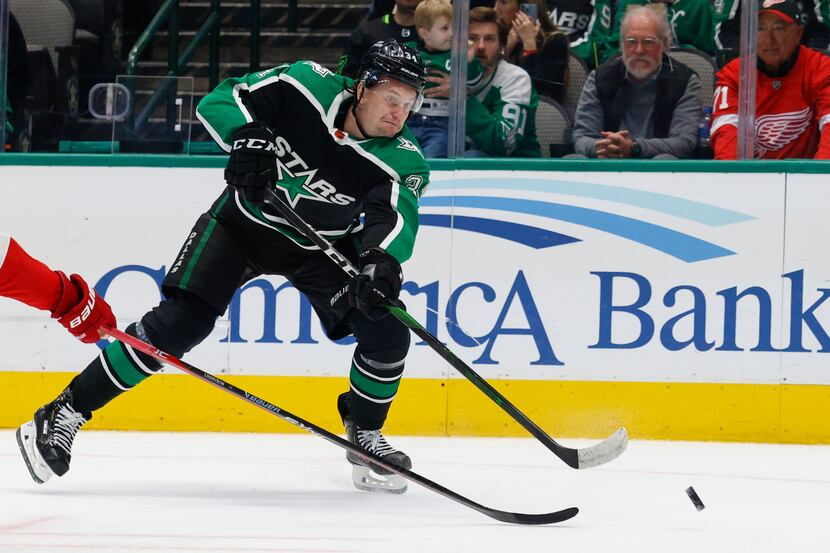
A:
{"points": [[439, 37], [384, 108], [506, 10], [777, 39], [484, 37], [642, 49]]}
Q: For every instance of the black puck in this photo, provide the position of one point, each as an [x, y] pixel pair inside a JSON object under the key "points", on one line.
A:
{"points": [[690, 491]]}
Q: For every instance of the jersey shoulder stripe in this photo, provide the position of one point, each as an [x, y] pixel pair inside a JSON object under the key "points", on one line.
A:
{"points": [[320, 86]]}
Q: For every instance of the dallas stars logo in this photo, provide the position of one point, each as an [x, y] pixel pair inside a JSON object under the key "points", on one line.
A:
{"points": [[297, 181], [300, 186]]}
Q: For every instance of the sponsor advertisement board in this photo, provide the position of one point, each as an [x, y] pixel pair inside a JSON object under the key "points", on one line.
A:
{"points": [[589, 289]]}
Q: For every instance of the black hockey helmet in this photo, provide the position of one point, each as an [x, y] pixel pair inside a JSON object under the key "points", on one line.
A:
{"points": [[388, 58]]}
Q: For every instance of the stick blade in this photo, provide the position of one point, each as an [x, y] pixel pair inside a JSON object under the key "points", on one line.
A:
{"points": [[534, 519], [605, 451]]}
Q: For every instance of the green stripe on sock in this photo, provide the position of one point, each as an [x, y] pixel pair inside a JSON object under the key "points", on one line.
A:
{"points": [[123, 366], [380, 390], [198, 252]]}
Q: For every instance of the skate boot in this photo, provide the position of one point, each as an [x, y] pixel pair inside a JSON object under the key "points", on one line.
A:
{"points": [[367, 476], [46, 441]]}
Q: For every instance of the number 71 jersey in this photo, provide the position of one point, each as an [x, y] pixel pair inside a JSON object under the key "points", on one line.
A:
{"points": [[791, 113]]}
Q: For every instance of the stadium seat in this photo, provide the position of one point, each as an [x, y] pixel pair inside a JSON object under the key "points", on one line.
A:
{"points": [[100, 23], [49, 26], [577, 74], [701, 63], [553, 128]]}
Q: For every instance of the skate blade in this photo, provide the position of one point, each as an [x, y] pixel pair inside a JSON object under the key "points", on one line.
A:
{"points": [[364, 479], [38, 470]]}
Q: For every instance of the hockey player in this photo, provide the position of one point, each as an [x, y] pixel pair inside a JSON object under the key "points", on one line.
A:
{"points": [[68, 299], [335, 150], [792, 103]]}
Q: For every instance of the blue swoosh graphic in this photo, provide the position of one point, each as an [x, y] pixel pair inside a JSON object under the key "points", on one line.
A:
{"points": [[534, 237], [690, 210], [671, 242]]}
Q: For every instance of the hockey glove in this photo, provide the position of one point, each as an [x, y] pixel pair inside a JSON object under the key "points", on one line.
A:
{"points": [[81, 311], [378, 283], [252, 165]]}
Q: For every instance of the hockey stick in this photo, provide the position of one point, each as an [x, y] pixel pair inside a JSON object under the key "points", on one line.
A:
{"points": [[503, 516], [598, 454]]}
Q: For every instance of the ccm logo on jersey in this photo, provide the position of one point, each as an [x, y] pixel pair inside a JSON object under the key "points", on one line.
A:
{"points": [[254, 144], [90, 305]]}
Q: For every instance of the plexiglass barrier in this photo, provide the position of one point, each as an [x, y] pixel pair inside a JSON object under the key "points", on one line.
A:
{"points": [[148, 114]]}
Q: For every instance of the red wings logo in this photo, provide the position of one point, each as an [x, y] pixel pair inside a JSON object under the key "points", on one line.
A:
{"points": [[773, 132]]}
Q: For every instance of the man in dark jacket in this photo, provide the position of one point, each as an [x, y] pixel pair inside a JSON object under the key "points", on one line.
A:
{"points": [[643, 104], [400, 25]]}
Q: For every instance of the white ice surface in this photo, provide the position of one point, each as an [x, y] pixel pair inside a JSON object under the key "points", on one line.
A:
{"points": [[156, 492]]}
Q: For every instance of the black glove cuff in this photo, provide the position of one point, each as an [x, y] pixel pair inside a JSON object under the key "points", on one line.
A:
{"points": [[377, 256]]}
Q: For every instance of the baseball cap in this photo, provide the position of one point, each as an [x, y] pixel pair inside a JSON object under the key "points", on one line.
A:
{"points": [[788, 10]]}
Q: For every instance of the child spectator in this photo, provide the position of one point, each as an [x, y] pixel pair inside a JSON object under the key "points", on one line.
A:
{"points": [[433, 23]]}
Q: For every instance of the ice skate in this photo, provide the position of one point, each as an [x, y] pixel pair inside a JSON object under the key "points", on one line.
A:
{"points": [[46, 441], [372, 478]]}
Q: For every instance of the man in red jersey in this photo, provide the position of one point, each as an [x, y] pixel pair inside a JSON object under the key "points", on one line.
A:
{"points": [[68, 299], [792, 105]]}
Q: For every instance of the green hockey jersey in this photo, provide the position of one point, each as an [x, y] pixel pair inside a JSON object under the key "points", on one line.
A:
{"points": [[587, 24], [501, 113], [325, 175]]}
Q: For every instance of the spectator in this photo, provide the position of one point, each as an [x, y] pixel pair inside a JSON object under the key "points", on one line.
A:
{"points": [[536, 45], [400, 25], [692, 22], [815, 18], [643, 104], [792, 103], [587, 24], [501, 110], [19, 80], [433, 21]]}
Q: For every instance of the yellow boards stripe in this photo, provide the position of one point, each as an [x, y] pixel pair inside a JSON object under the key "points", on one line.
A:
{"points": [[436, 407]]}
